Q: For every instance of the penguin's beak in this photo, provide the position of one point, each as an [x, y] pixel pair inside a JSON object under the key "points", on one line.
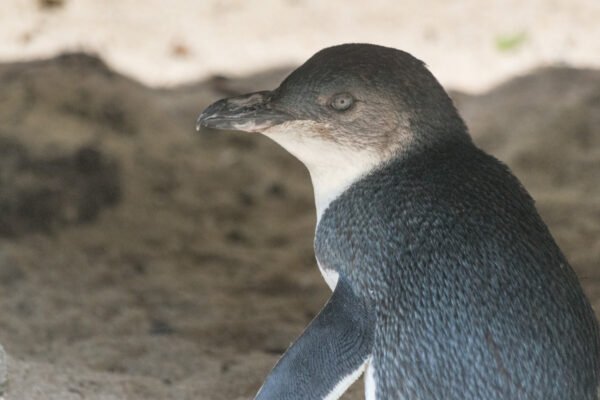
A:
{"points": [[251, 112]]}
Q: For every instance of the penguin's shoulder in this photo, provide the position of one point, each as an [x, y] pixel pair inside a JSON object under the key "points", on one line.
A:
{"points": [[444, 203], [430, 185]]}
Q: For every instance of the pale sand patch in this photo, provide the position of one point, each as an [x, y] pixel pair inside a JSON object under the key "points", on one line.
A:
{"points": [[167, 43]]}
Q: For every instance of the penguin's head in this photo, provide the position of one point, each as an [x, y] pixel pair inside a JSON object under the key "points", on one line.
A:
{"points": [[346, 110]]}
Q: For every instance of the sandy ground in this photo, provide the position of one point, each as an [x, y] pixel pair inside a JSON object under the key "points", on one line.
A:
{"points": [[141, 260], [469, 44]]}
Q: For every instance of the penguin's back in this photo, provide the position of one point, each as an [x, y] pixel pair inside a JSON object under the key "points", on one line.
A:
{"points": [[474, 299]]}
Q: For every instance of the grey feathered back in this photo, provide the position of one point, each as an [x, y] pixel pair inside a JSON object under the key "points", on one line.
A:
{"points": [[473, 298]]}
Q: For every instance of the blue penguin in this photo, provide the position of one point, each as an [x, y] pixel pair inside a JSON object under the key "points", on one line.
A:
{"points": [[446, 282]]}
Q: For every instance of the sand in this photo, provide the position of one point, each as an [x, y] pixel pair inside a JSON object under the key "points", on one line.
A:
{"points": [[3, 372], [469, 45]]}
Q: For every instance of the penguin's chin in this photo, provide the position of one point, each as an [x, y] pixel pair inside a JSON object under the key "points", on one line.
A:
{"points": [[333, 167], [252, 126]]}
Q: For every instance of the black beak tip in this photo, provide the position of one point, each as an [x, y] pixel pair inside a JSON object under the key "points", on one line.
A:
{"points": [[199, 123]]}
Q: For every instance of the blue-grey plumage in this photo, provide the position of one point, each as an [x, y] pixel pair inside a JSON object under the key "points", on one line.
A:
{"points": [[455, 284], [330, 354], [474, 300]]}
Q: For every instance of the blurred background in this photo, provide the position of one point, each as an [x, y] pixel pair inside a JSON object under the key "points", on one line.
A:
{"points": [[140, 259], [468, 45]]}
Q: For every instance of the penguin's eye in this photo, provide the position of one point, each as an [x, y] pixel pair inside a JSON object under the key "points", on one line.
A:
{"points": [[341, 102]]}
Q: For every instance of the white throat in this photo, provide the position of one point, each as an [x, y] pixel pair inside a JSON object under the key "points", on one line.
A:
{"points": [[330, 181], [333, 167]]}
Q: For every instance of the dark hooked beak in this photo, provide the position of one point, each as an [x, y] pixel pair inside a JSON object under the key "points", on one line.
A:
{"points": [[251, 112]]}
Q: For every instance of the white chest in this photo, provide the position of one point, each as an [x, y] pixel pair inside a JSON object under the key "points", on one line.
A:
{"points": [[330, 276]]}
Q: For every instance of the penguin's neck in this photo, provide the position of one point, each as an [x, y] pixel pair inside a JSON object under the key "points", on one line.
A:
{"points": [[333, 167], [331, 179], [327, 187]]}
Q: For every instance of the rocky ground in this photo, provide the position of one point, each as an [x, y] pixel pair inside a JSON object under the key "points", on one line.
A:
{"points": [[142, 260]]}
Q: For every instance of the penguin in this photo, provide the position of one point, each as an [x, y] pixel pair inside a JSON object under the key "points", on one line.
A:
{"points": [[446, 282]]}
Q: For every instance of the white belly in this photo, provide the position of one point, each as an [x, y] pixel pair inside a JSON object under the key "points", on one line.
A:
{"points": [[370, 381]]}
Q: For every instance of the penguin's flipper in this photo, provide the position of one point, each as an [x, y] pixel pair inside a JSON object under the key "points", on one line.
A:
{"points": [[329, 356]]}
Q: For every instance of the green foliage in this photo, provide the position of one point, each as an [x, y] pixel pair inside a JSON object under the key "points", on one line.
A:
{"points": [[511, 41]]}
